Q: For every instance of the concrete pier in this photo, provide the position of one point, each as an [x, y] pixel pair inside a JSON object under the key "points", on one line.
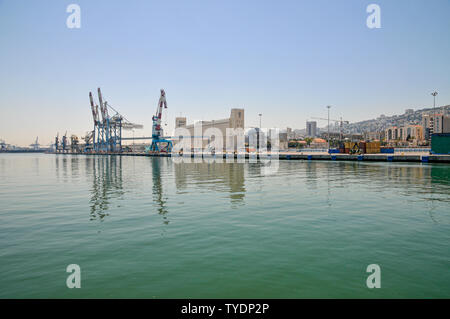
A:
{"points": [[418, 158]]}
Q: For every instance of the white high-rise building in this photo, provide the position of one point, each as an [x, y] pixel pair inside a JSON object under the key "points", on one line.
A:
{"points": [[435, 123]]}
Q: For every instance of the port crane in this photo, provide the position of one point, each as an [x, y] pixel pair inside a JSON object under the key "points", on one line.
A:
{"points": [[36, 144], [157, 140], [74, 143], [341, 123], [57, 142], [64, 143], [107, 133]]}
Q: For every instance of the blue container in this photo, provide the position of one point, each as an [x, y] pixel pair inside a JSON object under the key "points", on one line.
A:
{"points": [[309, 157], [360, 157], [425, 159], [333, 157], [390, 158], [387, 150]]}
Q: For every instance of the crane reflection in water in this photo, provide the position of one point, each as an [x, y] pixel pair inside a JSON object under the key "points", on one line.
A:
{"points": [[107, 184], [157, 189]]}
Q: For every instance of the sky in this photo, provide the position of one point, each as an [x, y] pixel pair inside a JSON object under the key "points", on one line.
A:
{"points": [[284, 59]]}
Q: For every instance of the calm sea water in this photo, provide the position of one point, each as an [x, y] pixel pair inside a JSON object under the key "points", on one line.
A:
{"points": [[150, 228]]}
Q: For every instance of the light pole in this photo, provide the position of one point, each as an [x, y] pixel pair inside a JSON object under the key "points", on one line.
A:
{"points": [[259, 132], [328, 107], [434, 99]]}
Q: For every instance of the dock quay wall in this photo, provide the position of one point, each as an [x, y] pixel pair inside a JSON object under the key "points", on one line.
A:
{"points": [[323, 157]]}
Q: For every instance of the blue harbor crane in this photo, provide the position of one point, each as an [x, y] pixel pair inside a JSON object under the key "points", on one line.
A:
{"points": [[107, 134], [57, 142], [64, 143]]}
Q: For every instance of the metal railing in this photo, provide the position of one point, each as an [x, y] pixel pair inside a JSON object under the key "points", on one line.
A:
{"points": [[411, 150], [309, 150]]}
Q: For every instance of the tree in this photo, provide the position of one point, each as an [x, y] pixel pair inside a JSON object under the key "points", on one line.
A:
{"points": [[308, 140]]}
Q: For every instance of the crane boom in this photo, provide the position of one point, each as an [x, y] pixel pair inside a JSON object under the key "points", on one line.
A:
{"points": [[103, 107], [341, 123], [321, 118], [131, 126], [94, 109]]}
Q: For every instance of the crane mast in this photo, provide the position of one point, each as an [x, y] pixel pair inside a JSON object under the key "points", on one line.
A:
{"points": [[159, 144], [156, 129], [56, 142]]}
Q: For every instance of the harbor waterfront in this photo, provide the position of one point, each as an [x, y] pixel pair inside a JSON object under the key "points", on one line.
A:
{"points": [[398, 157], [147, 227]]}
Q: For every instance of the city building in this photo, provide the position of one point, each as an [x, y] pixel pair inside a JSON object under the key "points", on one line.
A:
{"points": [[373, 136], [318, 143], [283, 141], [311, 128], [392, 134], [290, 133], [407, 133], [412, 133], [435, 123]]}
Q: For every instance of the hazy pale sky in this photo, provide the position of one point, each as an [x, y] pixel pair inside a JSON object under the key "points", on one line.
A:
{"points": [[284, 59]]}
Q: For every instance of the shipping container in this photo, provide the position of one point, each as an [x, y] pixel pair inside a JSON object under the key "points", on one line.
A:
{"points": [[350, 145], [372, 150], [388, 150], [373, 144], [440, 143], [373, 147]]}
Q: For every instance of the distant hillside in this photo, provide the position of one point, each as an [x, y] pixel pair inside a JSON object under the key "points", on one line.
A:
{"points": [[383, 122]]}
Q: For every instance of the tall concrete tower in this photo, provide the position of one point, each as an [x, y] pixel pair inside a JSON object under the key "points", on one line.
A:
{"points": [[180, 122], [237, 118]]}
